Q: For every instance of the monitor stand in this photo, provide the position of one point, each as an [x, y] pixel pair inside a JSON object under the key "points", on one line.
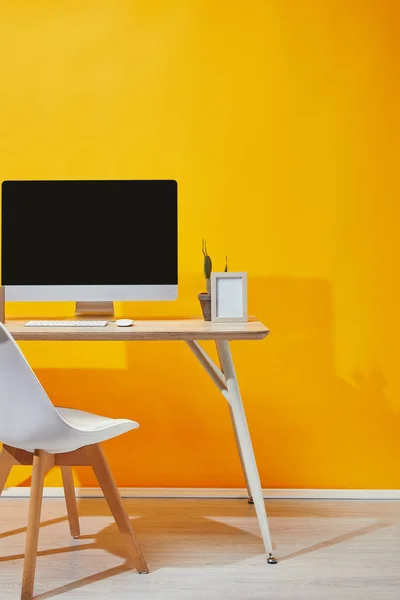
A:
{"points": [[96, 308]]}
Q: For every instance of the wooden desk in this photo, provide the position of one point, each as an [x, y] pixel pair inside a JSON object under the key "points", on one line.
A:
{"points": [[161, 330], [224, 376]]}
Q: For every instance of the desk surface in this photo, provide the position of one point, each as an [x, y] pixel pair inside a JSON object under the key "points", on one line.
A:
{"points": [[158, 329]]}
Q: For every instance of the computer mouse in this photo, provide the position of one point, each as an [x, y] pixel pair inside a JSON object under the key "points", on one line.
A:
{"points": [[124, 322]]}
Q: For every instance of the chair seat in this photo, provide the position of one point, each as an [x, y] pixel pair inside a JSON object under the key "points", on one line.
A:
{"points": [[78, 429], [80, 419], [81, 429]]}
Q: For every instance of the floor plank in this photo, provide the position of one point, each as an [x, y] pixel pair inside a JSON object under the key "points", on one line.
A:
{"points": [[209, 550]]}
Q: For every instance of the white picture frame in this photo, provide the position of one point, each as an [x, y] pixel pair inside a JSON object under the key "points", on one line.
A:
{"points": [[229, 297]]}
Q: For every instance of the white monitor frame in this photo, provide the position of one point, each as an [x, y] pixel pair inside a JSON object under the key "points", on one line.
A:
{"points": [[90, 293], [90, 300]]}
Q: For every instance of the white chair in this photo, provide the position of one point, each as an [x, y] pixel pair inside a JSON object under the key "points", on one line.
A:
{"points": [[34, 432]]}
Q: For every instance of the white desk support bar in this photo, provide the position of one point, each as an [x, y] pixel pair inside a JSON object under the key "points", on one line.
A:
{"points": [[214, 372], [226, 381]]}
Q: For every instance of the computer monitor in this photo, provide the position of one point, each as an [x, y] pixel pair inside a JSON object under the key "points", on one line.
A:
{"points": [[89, 241]]}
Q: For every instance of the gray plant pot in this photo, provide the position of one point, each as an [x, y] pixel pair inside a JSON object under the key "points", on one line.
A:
{"points": [[205, 303]]}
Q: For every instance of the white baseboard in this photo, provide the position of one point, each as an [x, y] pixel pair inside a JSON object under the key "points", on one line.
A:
{"points": [[269, 494]]}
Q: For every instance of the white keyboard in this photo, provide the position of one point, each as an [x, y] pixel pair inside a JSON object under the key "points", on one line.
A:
{"points": [[66, 323]]}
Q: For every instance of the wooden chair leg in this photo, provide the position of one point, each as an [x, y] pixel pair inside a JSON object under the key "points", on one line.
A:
{"points": [[111, 494], [6, 463], [70, 500], [42, 462]]}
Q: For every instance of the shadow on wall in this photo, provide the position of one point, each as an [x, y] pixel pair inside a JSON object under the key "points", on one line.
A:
{"points": [[309, 427], [326, 432]]}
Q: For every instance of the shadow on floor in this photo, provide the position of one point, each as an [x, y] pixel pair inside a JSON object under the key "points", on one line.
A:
{"points": [[178, 533]]}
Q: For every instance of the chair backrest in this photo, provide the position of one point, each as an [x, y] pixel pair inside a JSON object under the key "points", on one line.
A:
{"points": [[27, 416]]}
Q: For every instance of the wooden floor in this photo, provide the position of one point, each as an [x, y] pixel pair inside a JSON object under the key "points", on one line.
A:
{"points": [[210, 550]]}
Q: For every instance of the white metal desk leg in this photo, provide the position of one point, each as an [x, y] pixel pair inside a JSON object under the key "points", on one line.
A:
{"points": [[244, 441], [250, 498]]}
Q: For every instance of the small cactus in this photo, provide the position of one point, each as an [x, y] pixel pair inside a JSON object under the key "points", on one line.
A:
{"points": [[207, 268]]}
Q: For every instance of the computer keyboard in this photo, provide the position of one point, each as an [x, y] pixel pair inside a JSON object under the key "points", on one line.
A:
{"points": [[66, 323]]}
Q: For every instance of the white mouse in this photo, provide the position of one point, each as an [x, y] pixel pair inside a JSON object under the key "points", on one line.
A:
{"points": [[124, 322]]}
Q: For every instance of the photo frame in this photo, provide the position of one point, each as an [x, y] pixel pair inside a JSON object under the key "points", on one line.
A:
{"points": [[229, 297]]}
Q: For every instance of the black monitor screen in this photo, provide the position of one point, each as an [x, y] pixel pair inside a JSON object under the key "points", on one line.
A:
{"points": [[89, 232]]}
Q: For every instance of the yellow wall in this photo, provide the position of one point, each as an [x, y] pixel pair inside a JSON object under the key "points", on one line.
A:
{"points": [[280, 121]]}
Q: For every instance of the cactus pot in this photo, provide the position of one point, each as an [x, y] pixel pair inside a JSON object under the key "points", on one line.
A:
{"points": [[205, 303]]}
